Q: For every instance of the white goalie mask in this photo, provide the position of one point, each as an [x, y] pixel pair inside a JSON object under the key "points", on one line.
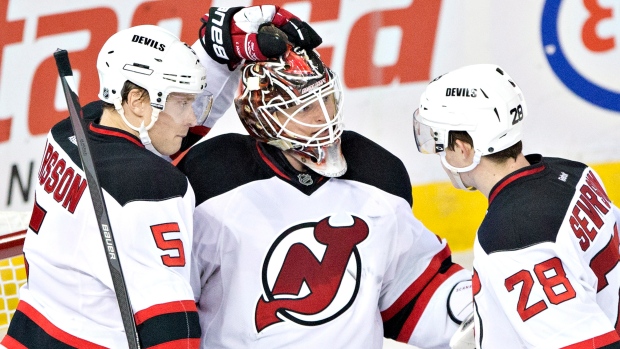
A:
{"points": [[276, 99], [156, 60], [480, 99]]}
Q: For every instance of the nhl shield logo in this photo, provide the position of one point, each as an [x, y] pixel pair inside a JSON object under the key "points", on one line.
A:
{"points": [[311, 274], [305, 179]]}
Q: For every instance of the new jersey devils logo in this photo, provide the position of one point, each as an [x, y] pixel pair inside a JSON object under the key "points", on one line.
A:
{"points": [[311, 274]]}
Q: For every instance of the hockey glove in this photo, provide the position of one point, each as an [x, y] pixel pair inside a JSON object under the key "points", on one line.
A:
{"points": [[232, 35]]}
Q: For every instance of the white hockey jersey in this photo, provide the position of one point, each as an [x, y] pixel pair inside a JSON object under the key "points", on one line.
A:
{"points": [[69, 298], [546, 271], [285, 259]]}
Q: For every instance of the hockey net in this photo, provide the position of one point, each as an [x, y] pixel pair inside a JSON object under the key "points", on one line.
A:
{"points": [[13, 227]]}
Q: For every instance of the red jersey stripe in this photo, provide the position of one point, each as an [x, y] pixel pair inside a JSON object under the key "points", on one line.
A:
{"points": [[165, 308], [115, 134], [512, 179], [270, 164], [596, 342], [10, 343], [54, 331], [422, 302], [181, 343], [418, 285]]}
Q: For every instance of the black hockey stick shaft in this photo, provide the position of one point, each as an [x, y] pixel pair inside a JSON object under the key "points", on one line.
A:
{"points": [[75, 115]]}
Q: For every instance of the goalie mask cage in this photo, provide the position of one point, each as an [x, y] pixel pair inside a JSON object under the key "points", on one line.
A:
{"points": [[13, 227]]}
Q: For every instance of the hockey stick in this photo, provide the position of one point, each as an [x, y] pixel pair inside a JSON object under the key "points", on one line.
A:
{"points": [[75, 115]]}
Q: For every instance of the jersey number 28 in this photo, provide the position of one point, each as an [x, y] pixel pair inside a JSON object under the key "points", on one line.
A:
{"points": [[551, 276]]}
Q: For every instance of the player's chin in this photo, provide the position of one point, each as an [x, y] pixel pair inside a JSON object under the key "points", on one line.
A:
{"points": [[171, 147], [176, 144]]}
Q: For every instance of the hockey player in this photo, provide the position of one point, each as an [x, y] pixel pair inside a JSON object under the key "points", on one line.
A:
{"points": [[304, 234], [69, 299], [546, 271]]}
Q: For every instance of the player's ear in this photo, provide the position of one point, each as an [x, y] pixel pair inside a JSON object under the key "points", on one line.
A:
{"points": [[138, 101], [463, 149]]}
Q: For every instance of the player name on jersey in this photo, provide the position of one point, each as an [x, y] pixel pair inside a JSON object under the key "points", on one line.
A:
{"points": [[593, 202], [66, 185]]}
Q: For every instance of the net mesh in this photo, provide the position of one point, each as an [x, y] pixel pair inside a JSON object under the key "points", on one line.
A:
{"points": [[13, 225], [13, 274]]}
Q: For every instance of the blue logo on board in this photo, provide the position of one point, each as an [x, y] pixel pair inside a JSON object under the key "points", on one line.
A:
{"points": [[567, 71]]}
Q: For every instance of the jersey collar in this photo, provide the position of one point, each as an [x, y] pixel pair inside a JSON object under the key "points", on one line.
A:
{"points": [[92, 116], [536, 166], [103, 131], [307, 182]]}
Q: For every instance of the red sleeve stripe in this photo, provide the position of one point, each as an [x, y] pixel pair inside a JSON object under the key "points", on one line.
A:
{"points": [[422, 302], [418, 285], [165, 308], [596, 342], [181, 343], [10, 342], [52, 330]]}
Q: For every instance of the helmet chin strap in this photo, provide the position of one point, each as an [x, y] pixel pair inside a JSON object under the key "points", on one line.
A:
{"points": [[142, 130], [455, 172]]}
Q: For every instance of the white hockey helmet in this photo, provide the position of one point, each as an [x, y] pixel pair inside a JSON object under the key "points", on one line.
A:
{"points": [[297, 78], [156, 60], [480, 99]]}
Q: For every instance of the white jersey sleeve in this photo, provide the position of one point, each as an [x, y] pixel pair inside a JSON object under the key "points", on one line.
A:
{"points": [[418, 283]]}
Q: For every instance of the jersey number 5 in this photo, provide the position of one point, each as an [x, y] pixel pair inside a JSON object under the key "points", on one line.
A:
{"points": [[551, 276], [169, 245]]}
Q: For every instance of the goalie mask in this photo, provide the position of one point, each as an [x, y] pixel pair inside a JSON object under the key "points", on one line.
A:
{"points": [[295, 103], [479, 99], [156, 60]]}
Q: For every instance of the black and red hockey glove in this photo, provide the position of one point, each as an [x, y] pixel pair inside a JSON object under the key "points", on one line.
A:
{"points": [[231, 35]]}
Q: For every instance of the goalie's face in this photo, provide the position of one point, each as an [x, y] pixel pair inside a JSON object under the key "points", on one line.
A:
{"points": [[312, 121], [314, 127]]}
